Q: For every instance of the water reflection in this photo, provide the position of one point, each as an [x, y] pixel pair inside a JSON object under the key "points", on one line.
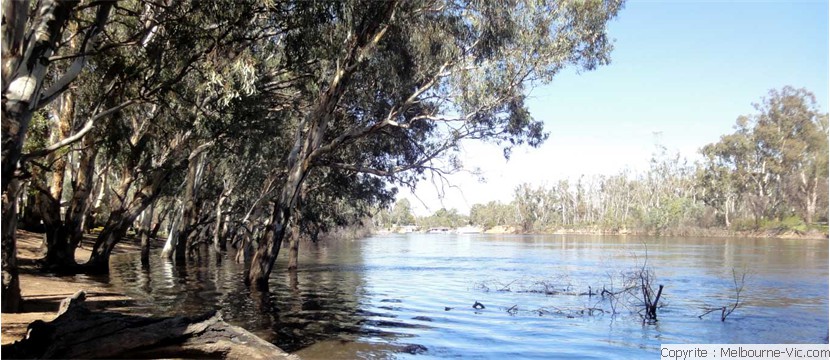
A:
{"points": [[404, 295]]}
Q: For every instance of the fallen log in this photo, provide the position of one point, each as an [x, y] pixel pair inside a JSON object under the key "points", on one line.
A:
{"points": [[78, 333]]}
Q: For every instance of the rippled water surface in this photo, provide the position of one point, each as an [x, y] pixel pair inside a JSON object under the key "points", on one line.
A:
{"points": [[402, 296]]}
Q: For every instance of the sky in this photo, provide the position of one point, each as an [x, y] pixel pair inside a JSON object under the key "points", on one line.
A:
{"points": [[681, 73]]}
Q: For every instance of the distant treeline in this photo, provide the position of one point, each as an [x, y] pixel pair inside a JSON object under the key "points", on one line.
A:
{"points": [[770, 174]]}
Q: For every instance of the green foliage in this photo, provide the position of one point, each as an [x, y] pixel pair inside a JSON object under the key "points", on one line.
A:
{"points": [[38, 134], [443, 218], [774, 163], [670, 214], [492, 214], [789, 223]]}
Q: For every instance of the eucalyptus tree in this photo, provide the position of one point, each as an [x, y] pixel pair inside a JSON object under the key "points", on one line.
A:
{"points": [[143, 108], [791, 134], [429, 73], [492, 214], [32, 77], [776, 159], [401, 213], [32, 40], [198, 62]]}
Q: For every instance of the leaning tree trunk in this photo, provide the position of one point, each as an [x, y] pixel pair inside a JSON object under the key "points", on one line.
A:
{"points": [[11, 299], [115, 230], [78, 333], [120, 220], [309, 145], [269, 246]]}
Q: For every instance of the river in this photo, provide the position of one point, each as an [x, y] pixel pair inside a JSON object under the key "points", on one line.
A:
{"points": [[412, 295]]}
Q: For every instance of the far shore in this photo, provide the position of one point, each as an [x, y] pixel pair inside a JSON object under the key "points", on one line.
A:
{"points": [[682, 232]]}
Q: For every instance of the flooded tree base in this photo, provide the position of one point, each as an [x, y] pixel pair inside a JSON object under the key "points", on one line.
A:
{"points": [[78, 332]]}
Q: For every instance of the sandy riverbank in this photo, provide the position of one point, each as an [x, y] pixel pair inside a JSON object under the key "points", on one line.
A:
{"points": [[43, 293]]}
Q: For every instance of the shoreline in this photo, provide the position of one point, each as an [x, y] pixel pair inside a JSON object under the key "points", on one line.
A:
{"points": [[42, 293], [685, 232]]}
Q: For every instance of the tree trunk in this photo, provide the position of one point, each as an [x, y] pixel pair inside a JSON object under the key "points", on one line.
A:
{"points": [[269, 246], [812, 200], [172, 236], [98, 262], [11, 299], [78, 333], [63, 237], [61, 131], [726, 215], [119, 222], [61, 128], [82, 189], [190, 215], [99, 187], [58, 257], [144, 232], [219, 231], [25, 72], [294, 246]]}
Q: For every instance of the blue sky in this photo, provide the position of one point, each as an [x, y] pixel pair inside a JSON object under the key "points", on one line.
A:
{"points": [[681, 73]]}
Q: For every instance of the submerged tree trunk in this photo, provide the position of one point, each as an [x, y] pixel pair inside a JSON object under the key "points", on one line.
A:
{"points": [[121, 218], [11, 299], [308, 145], [294, 246], [190, 214], [172, 236], [111, 234], [270, 243], [220, 230], [145, 233]]}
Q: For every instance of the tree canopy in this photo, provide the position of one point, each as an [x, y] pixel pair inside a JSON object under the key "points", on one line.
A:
{"points": [[227, 121]]}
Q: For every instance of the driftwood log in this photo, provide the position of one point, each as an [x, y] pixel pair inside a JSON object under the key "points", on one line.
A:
{"points": [[78, 333]]}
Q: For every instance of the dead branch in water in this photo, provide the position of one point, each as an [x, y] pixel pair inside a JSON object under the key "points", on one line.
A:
{"points": [[636, 290], [727, 310]]}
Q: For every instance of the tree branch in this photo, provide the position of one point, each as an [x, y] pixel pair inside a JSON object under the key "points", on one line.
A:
{"points": [[88, 126]]}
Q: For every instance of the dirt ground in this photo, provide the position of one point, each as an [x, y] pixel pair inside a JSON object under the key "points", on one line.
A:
{"points": [[42, 293]]}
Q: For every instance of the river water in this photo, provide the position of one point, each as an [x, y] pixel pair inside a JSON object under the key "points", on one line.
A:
{"points": [[412, 295]]}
